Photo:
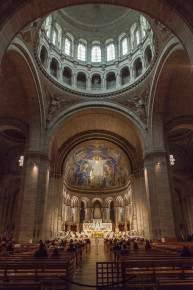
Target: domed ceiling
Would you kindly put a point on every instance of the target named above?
(96, 165)
(95, 15)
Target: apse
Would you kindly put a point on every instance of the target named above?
(96, 165)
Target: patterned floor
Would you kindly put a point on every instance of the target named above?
(86, 274)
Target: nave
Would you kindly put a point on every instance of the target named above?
(131, 264)
(86, 274)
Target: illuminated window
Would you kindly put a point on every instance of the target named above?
(110, 52)
(96, 54)
(21, 160)
(67, 46)
(172, 160)
(81, 52)
(124, 46)
(137, 36)
(54, 37)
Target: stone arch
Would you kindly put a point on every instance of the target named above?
(54, 68)
(125, 75)
(137, 67)
(96, 81)
(67, 76)
(119, 201)
(81, 80)
(29, 114)
(174, 61)
(44, 56)
(111, 80)
(148, 56)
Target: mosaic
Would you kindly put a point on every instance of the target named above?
(97, 165)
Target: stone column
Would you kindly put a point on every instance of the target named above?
(158, 196)
(116, 217)
(34, 195)
(108, 213)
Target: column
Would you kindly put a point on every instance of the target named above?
(33, 195)
(158, 196)
(116, 217)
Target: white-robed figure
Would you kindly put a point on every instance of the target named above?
(72, 235)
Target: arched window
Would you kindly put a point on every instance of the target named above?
(111, 80)
(47, 25)
(148, 56)
(81, 52)
(96, 54)
(44, 56)
(54, 37)
(110, 52)
(134, 36)
(81, 80)
(67, 76)
(57, 36)
(125, 75)
(137, 67)
(54, 67)
(144, 25)
(67, 46)
(96, 82)
(137, 37)
(124, 46)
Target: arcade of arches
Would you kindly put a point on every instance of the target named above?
(96, 156)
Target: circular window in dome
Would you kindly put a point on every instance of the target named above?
(77, 43)
(96, 165)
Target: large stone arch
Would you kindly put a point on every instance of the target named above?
(23, 93)
(96, 120)
(171, 93)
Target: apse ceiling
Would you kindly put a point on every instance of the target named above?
(96, 166)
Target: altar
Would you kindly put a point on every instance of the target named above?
(97, 227)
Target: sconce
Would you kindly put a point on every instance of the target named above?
(158, 163)
(34, 164)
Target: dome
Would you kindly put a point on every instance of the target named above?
(96, 166)
(95, 49)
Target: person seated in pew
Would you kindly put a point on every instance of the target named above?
(41, 252)
(55, 253)
(71, 248)
(135, 246)
(147, 245)
(10, 247)
(186, 252)
(117, 247)
(124, 249)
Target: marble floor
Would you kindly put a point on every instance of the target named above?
(86, 274)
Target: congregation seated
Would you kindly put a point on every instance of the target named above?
(10, 247)
(186, 252)
(147, 245)
(135, 245)
(41, 252)
(55, 253)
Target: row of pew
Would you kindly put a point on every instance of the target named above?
(24, 271)
(158, 268)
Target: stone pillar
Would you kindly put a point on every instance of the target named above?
(140, 205)
(158, 196)
(108, 213)
(116, 217)
(33, 195)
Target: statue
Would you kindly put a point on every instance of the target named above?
(138, 106)
(54, 103)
